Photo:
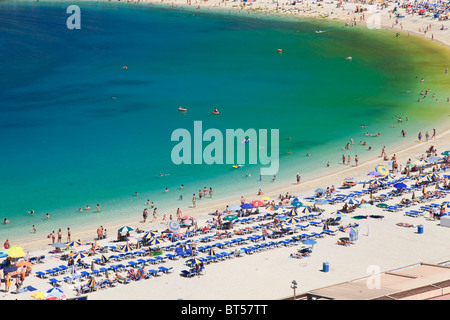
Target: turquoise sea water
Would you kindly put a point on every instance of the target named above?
(66, 142)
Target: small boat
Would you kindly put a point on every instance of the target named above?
(182, 109)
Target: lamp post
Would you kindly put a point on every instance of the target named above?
(294, 286)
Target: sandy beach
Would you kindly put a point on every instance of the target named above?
(269, 273)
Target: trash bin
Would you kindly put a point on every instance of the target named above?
(326, 267)
(420, 229)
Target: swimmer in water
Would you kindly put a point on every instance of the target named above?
(125, 67)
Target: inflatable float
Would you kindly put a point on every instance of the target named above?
(182, 109)
(238, 166)
(216, 112)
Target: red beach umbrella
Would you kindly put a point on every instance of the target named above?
(257, 203)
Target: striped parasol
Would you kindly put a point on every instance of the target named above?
(154, 241)
(126, 248)
(173, 226)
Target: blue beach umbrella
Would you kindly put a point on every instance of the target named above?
(321, 201)
(320, 190)
(173, 226)
(374, 173)
(400, 185)
(433, 159)
(74, 244)
(234, 208)
(247, 206)
(351, 201)
(309, 242)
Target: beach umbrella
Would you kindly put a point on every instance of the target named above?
(59, 245)
(125, 229)
(374, 173)
(91, 283)
(375, 182)
(272, 208)
(292, 212)
(382, 205)
(421, 163)
(292, 220)
(433, 159)
(104, 259)
(446, 153)
(257, 203)
(296, 204)
(16, 253)
(320, 190)
(15, 248)
(211, 252)
(193, 261)
(321, 201)
(55, 293)
(126, 248)
(400, 185)
(309, 242)
(234, 208)
(187, 218)
(9, 269)
(350, 229)
(265, 198)
(39, 295)
(24, 264)
(306, 210)
(230, 217)
(351, 201)
(74, 244)
(80, 255)
(151, 234)
(382, 170)
(154, 241)
(3, 255)
(173, 226)
(366, 205)
(247, 206)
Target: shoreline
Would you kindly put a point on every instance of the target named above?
(283, 186)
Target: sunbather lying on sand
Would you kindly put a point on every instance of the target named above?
(344, 242)
(405, 224)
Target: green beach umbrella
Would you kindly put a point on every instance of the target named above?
(382, 205)
(446, 153)
(366, 205)
(230, 217)
(125, 229)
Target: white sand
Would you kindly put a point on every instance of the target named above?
(268, 274)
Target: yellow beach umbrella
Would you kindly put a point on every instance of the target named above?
(16, 253)
(39, 295)
(382, 170)
(266, 198)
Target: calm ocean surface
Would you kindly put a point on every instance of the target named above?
(76, 128)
